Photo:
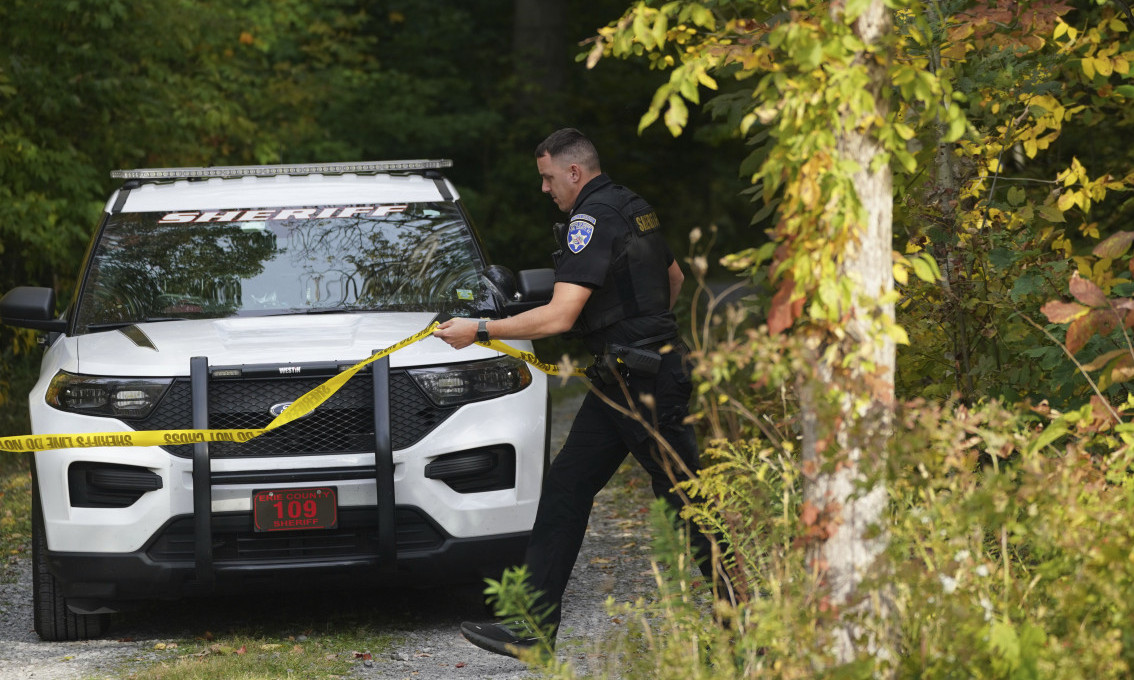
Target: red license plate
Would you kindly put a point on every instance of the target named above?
(292, 509)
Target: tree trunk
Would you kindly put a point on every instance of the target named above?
(539, 48)
(857, 430)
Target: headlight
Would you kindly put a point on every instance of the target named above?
(113, 397)
(464, 383)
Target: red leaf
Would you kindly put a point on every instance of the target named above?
(1115, 245)
(1103, 321)
(1100, 321)
(808, 513)
(1062, 312)
(1087, 292)
(1077, 334)
(783, 312)
(243, 649)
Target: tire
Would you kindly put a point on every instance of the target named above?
(470, 602)
(54, 622)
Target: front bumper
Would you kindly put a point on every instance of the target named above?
(164, 569)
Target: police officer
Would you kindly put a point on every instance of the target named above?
(616, 281)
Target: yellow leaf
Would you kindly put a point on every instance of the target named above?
(955, 51)
(1103, 66)
(1060, 30)
(901, 275)
(706, 80)
(595, 54)
(747, 122)
(1088, 66)
(1067, 200)
(899, 335)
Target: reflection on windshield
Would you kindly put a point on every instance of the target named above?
(418, 257)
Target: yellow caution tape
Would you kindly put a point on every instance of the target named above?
(550, 369)
(299, 408)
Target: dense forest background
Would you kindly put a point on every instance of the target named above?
(88, 87)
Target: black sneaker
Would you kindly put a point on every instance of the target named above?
(509, 638)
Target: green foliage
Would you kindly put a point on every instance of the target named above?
(987, 124)
(1011, 534)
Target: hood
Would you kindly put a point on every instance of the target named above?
(165, 348)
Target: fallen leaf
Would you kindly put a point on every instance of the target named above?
(243, 650)
(160, 645)
(459, 664)
(270, 646)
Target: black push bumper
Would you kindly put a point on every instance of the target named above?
(245, 562)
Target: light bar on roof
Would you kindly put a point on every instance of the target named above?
(271, 170)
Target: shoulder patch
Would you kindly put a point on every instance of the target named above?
(584, 216)
(647, 223)
(579, 232)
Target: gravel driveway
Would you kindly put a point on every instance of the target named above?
(421, 623)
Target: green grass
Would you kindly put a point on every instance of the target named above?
(242, 655)
(15, 510)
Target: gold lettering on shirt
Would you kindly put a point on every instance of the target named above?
(647, 222)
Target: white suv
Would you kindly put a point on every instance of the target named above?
(213, 298)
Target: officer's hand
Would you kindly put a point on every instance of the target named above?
(459, 333)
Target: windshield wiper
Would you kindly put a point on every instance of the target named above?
(331, 310)
(114, 325)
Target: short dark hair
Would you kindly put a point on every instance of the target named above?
(572, 145)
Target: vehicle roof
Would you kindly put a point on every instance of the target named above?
(282, 191)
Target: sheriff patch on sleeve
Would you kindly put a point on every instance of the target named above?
(579, 232)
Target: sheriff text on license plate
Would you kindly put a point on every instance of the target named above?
(290, 509)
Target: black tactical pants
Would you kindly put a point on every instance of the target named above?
(598, 442)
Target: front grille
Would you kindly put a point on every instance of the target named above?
(342, 424)
(357, 536)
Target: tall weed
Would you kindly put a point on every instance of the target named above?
(1010, 552)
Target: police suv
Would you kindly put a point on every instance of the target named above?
(212, 298)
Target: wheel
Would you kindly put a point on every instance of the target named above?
(469, 599)
(54, 622)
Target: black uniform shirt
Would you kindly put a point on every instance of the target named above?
(596, 232)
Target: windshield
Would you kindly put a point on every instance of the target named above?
(253, 262)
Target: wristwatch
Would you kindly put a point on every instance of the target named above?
(482, 330)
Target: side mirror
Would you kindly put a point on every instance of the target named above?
(536, 285)
(533, 288)
(28, 307)
(501, 282)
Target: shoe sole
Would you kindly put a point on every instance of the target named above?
(490, 645)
